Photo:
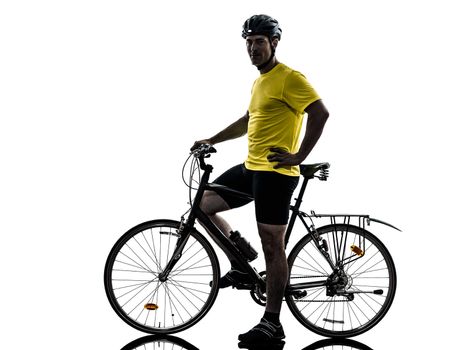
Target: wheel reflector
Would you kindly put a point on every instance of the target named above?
(151, 306)
(356, 250)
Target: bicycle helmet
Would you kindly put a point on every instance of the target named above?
(262, 25)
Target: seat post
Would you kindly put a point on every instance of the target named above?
(295, 211)
(301, 195)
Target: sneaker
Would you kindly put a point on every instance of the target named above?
(264, 332)
(234, 277)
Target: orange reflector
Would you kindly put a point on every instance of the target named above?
(356, 250)
(151, 306)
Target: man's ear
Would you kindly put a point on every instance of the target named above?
(274, 42)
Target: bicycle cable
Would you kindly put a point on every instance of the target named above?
(194, 168)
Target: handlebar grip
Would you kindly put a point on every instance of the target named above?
(209, 148)
(203, 149)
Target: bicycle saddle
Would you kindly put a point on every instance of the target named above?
(308, 170)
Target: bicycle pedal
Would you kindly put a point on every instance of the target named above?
(299, 294)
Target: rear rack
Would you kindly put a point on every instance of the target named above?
(359, 220)
(339, 243)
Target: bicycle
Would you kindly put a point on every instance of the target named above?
(162, 276)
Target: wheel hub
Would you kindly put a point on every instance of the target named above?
(338, 282)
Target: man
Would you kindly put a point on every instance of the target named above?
(280, 96)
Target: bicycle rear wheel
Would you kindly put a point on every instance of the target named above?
(357, 295)
(140, 298)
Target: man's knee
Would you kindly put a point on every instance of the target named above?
(272, 237)
(212, 203)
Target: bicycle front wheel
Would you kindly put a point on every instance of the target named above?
(133, 287)
(359, 289)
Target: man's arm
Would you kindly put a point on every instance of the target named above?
(317, 115)
(233, 131)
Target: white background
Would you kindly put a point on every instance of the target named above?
(100, 101)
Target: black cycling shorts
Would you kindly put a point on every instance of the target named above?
(271, 191)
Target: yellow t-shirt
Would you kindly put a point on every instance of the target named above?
(276, 110)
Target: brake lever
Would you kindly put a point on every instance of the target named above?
(211, 149)
(204, 149)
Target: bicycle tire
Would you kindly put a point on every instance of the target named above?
(336, 316)
(138, 296)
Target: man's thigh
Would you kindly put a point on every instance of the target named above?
(213, 203)
(272, 193)
(237, 178)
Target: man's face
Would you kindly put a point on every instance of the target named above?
(259, 48)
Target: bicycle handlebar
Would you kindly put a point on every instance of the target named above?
(203, 150)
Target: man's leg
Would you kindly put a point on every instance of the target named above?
(269, 328)
(211, 205)
(272, 192)
(272, 237)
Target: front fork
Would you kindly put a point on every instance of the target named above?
(180, 245)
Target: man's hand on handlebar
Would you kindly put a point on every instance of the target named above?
(202, 148)
(197, 144)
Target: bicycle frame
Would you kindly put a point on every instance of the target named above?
(227, 245)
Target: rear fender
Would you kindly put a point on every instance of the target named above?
(383, 223)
